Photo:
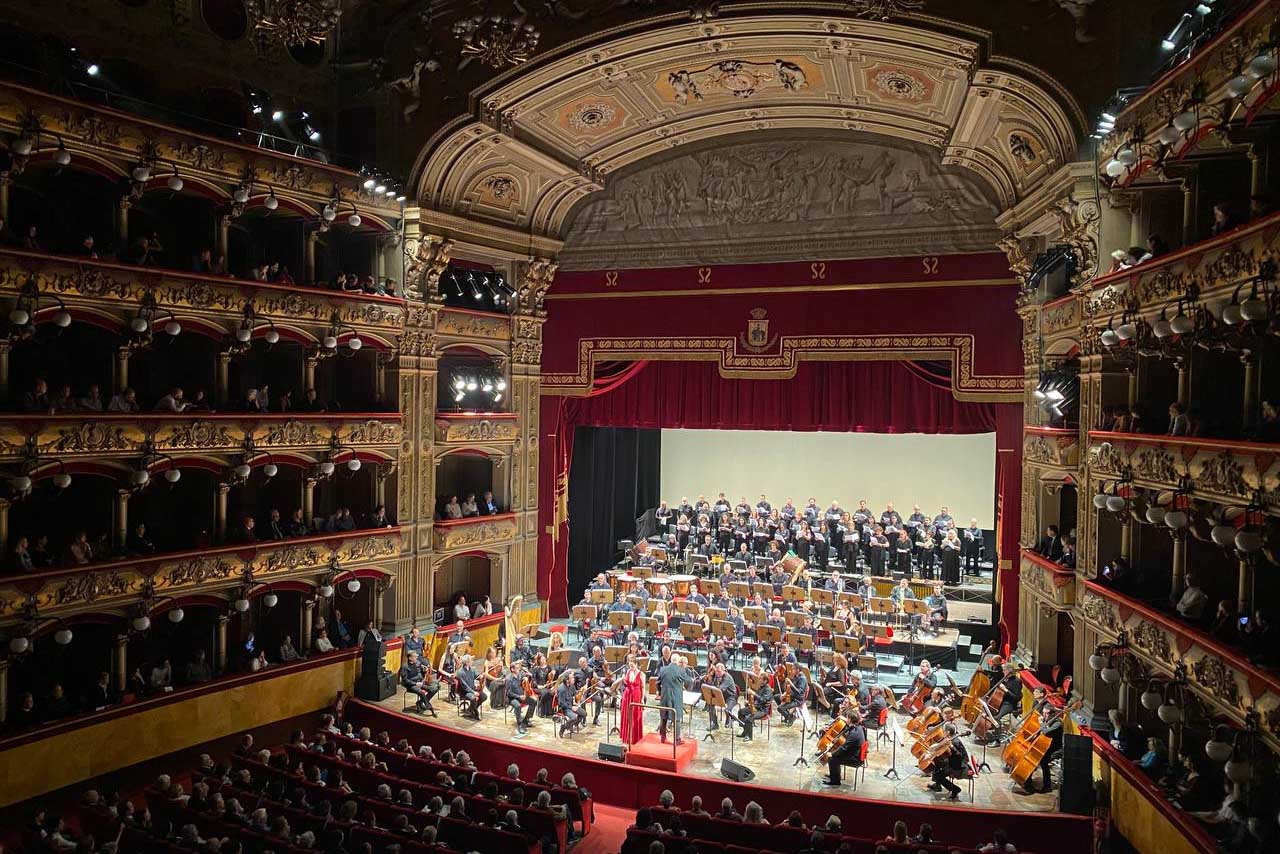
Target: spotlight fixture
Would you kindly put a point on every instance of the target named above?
(1171, 41)
(92, 69)
(276, 115)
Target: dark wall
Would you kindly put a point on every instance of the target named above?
(613, 479)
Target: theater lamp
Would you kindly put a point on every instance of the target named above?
(175, 182)
(1169, 135)
(325, 590)
(270, 600)
(19, 644)
(241, 604)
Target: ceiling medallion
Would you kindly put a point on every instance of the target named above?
(883, 10)
(592, 115)
(294, 22)
(897, 83)
(497, 40)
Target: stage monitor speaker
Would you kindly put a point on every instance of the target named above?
(736, 772)
(610, 752)
(1077, 775)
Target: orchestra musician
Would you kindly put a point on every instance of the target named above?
(521, 695)
(794, 691)
(857, 693)
(901, 593)
(759, 704)
(570, 710)
(937, 602)
(587, 671)
(855, 735)
(420, 680)
(471, 692)
(720, 678)
(1051, 726)
(835, 684)
(543, 676)
(1011, 703)
(954, 764)
(460, 634)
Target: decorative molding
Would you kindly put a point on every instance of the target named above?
(470, 429)
(474, 533)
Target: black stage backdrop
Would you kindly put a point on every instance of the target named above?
(613, 479)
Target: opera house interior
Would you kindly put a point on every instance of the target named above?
(487, 425)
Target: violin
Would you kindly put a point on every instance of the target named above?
(526, 685)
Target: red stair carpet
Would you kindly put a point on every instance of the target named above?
(650, 752)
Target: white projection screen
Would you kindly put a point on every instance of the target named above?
(909, 468)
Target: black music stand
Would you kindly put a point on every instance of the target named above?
(713, 698)
(892, 773)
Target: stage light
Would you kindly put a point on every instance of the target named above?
(369, 183)
(1175, 35)
(92, 70)
(276, 115)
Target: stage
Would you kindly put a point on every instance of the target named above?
(771, 755)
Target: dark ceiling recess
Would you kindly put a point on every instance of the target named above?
(226, 18)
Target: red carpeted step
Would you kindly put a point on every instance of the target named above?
(650, 752)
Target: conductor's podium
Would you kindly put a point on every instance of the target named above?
(650, 752)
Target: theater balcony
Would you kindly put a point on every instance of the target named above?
(468, 428)
(474, 533)
(1216, 470)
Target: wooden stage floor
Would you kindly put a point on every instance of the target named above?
(772, 759)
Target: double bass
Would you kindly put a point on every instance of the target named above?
(1034, 748)
(971, 705)
(984, 722)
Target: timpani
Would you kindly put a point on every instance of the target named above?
(682, 585)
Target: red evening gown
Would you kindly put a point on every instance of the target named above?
(632, 717)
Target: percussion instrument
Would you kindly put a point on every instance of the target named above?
(614, 575)
(793, 566)
(627, 584)
(657, 583)
(682, 585)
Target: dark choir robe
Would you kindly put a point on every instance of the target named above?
(879, 547)
(950, 561)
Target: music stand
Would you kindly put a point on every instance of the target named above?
(763, 589)
(792, 593)
(872, 632)
(692, 633)
(754, 614)
(600, 597)
(740, 590)
(830, 625)
(684, 606)
(530, 631)
(912, 608)
(713, 698)
(768, 635)
(763, 562)
(895, 734)
(698, 562)
(614, 654)
(622, 620)
(853, 601)
(800, 642)
(716, 613)
(637, 603)
(560, 657)
(723, 629)
(642, 572)
(847, 645)
(821, 596)
(883, 606)
(867, 662)
(586, 614)
(648, 625)
(794, 619)
(709, 587)
(738, 567)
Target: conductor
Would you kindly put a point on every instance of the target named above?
(673, 680)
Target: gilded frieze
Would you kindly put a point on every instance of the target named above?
(481, 532)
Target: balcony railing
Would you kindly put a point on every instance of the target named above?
(176, 574)
(84, 281)
(1222, 674)
(1052, 581)
(467, 324)
(108, 434)
(470, 427)
(1051, 446)
(1210, 267)
(475, 532)
(1221, 470)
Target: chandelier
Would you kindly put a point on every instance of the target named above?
(497, 40)
(294, 22)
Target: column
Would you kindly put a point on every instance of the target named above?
(122, 369)
(1133, 384)
(220, 645)
(122, 662)
(1184, 381)
(1175, 741)
(4, 531)
(1255, 173)
(1179, 565)
(379, 587)
(308, 618)
(122, 222)
(1244, 588)
(1251, 391)
(4, 690)
(122, 518)
(380, 486)
(223, 239)
(309, 251)
(1126, 540)
(4, 371)
(308, 499)
(309, 372)
(380, 378)
(224, 378)
(1188, 211)
(5, 180)
(220, 523)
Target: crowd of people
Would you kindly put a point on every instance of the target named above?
(65, 401)
(1187, 422)
(470, 506)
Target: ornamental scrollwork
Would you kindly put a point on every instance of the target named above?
(369, 548)
(90, 436)
(90, 587)
(372, 433)
(199, 570)
(1105, 458)
(291, 557)
(1098, 610)
(1154, 640)
(292, 432)
(1033, 577)
(1216, 677)
(200, 434)
(1158, 464)
(1223, 475)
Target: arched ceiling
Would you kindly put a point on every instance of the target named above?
(551, 135)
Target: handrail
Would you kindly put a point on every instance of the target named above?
(1059, 432)
(1197, 442)
(1191, 829)
(484, 415)
(471, 520)
(1235, 657)
(202, 277)
(675, 740)
(1046, 564)
(38, 579)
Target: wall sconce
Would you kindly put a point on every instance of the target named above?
(23, 316)
(329, 344)
(32, 139)
(22, 483)
(1112, 662)
(150, 316)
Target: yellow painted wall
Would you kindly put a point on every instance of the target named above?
(86, 752)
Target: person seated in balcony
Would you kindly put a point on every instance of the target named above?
(1126, 737)
(7, 237)
(138, 542)
(483, 608)
(1068, 556)
(461, 612)
(31, 240)
(1154, 762)
(351, 283)
(246, 532)
(469, 506)
(26, 714)
(198, 669)
(37, 400)
(1269, 423)
(161, 675)
(1190, 606)
(1179, 423)
(102, 694)
(1119, 575)
(198, 402)
(250, 403)
(258, 272)
(1226, 623)
(274, 529)
(343, 520)
(203, 262)
(58, 706)
(311, 402)
(1223, 221)
(63, 402)
(287, 651)
(91, 400)
(140, 253)
(379, 518)
(124, 401)
(284, 277)
(284, 401)
(342, 630)
(22, 560)
(86, 248)
(297, 524)
(322, 643)
(1257, 636)
(79, 550)
(1156, 246)
(41, 554)
(1119, 260)
(488, 506)
(172, 401)
(1050, 544)
(452, 509)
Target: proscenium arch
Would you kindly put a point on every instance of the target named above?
(550, 135)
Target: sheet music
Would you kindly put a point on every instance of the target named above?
(692, 698)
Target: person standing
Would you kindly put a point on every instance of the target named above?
(673, 681)
(632, 716)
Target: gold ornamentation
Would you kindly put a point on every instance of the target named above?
(1098, 609)
(91, 436)
(1218, 678)
(1156, 463)
(1038, 449)
(90, 587)
(1155, 640)
(882, 10)
(199, 434)
(476, 430)
(198, 570)
(292, 432)
(373, 433)
(1223, 475)
(539, 273)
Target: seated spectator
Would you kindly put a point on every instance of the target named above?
(794, 819)
(452, 509)
(297, 524)
(284, 277)
(900, 835)
(379, 519)
(26, 714)
(58, 706)
(79, 550)
(469, 506)
(91, 401)
(125, 401)
(198, 669)
(251, 401)
(1156, 759)
(1225, 626)
(31, 241)
(287, 652)
(1119, 260)
(1256, 634)
(63, 402)
(1191, 604)
(102, 694)
(199, 402)
(727, 812)
(483, 608)
(22, 560)
(274, 529)
(246, 532)
(1156, 246)
(461, 612)
(311, 402)
(161, 675)
(1269, 424)
(284, 401)
(695, 806)
(925, 836)
(1179, 423)
(1068, 557)
(488, 506)
(999, 844)
(343, 520)
(666, 799)
(138, 542)
(41, 554)
(1126, 737)
(1259, 206)
(203, 262)
(172, 401)
(37, 400)
(1222, 220)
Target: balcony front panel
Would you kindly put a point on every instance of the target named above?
(1059, 319)
(476, 532)
(97, 435)
(120, 288)
(1222, 675)
(1051, 447)
(112, 584)
(1219, 470)
(459, 323)
(465, 428)
(1052, 583)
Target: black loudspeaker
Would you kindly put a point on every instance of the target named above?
(1077, 775)
(736, 772)
(374, 683)
(610, 752)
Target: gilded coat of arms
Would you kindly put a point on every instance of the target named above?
(756, 339)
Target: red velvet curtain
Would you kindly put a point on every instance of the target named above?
(872, 397)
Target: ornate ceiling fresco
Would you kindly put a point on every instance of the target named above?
(788, 198)
(553, 134)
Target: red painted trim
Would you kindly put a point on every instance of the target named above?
(81, 161)
(248, 285)
(1188, 636)
(84, 468)
(286, 204)
(34, 581)
(195, 600)
(191, 186)
(456, 416)
(365, 573)
(89, 619)
(1186, 252)
(472, 520)
(1190, 829)
(1061, 575)
(1052, 432)
(198, 463)
(1190, 64)
(176, 696)
(287, 586)
(1195, 443)
(246, 418)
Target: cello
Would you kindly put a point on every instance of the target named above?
(832, 739)
(984, 716)
(913, 701)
